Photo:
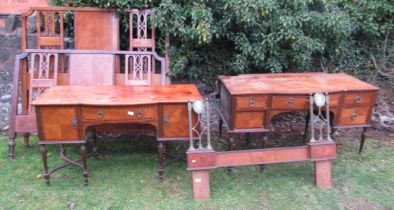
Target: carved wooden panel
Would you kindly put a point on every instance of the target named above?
(50, 31)
(43, 74)
(141, 36)
(138, 70)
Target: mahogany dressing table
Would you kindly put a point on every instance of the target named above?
(248, 102)
(69, 114)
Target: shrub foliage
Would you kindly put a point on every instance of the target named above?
(214, 37)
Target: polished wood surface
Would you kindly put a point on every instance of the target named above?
(64, 113)
(293, 83)
(248, 102)
(117, 95)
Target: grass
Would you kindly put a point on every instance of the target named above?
(126, 178)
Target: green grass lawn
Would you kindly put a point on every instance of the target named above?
(126, 178)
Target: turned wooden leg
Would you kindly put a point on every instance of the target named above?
(220, 126)
(62, 150)
(263, 142)
(94, 141)
(201, 189)
(84, 164)
(26, 139)
(11, 145)
(161, 149)
(45, 162)
(306, 128)
(362, 140)
(229, 148)
(323, 173)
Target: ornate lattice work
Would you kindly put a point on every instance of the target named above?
(43, 74)
(138, 70)
(52, 23)
(142, 38)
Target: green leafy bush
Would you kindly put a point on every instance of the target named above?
(213, 37)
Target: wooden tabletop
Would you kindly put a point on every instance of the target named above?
(117, 95)
(293, 83)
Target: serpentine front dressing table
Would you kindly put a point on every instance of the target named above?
(248, 102)
(66, 114)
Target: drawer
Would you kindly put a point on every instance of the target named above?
(334, 99)
(358, 98)
(290, 102)
(58, 123)
(244, 120)
(354, 116)
(120, 113)
(251, 102)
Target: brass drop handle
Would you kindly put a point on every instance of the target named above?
(290, 101)
(354, 116)
(74, 122)
(166, 121)
(100, 115)
(252, 101)
(357, 99)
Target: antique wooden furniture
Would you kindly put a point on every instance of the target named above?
(248, 102)
(84, 67)
(66, 113)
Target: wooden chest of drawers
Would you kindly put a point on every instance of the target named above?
(248, 102)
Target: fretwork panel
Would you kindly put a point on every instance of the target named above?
(138, 70)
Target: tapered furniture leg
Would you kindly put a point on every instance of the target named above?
(201, 189)
(84, 164)
(11, 145)
(306, 128)
(94, 141)
(220, 126)
(362, 140)
(161, 149)
(247, 139)
(263, 142)
(26, 139)
(229, 148)
(323, 173)
(45, 162)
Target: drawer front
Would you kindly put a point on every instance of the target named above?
(175, 120)
(245, 120)
(251, 102)
(358, 99)
(290, 102)
(121, 113)
(334, 99)
(58, 123)
(354, 116)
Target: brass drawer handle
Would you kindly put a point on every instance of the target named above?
(74, 122)
(252, 101)
(354, 116)
(357, 99)
(290, 101)
(100, 115)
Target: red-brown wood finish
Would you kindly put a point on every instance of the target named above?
(162, 106)
(201, 161)
(250, 101)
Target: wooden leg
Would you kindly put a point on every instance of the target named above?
(307, 118)
(247, 139)
(62, 150)
(95, 148)
(45, 162)
(362, 140)
(84, 164)
(201, 189)
(161, 150)
(220, 126)
(229, 148)
(26, 139)
(263, 142)
(11, 145)
(323, 173)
